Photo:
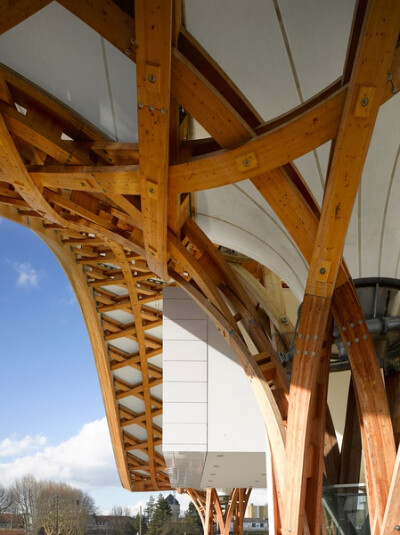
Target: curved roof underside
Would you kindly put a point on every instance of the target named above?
(279, 54)
(279, 57)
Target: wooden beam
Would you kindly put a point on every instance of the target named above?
(116, 179)
(363, 99)
(125, 266)
(212, 111)
(391, 521)
(13, 12)
(266, 152)
(107, 19)
(208, 67)
(153, 55)
(15, 172)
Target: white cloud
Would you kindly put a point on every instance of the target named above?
(258, 497)
(27, 275)
(12, 447)
(85, 461)
(69, 297)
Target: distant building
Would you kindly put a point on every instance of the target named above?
(175, 506)
(11, 524)
(257, 511)
(108, 525)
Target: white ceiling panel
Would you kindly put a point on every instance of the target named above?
(245, 39)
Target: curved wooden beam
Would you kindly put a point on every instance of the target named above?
(266, 152)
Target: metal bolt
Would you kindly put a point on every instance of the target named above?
(397, 527)
(151, 78)
(389, 76)
(246, 162)
(360, 322)
(349, 343)
(357, 340)
(141, 105)
(322, 271)
(364, 102)
(306, 352)
(127, 52)
(284, 320)
(365, 336)
(151, 190)
(298, 351)
(352, 325)
(299, 335)
(133, 41)
(316, 337)
(313, 354)
(163, 110)
(344, 328)
(151, 108)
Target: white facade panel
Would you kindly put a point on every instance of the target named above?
(184, 350)
(210, 415)
(185, 329)
(231, 402)
(180, 392)
(184, 370)
(184, 413)
(185, 433)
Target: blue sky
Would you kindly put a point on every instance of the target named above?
(52, 418)
(51, 411)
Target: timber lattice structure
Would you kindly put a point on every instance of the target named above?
(118, 216)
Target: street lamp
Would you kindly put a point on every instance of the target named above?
(56, 503)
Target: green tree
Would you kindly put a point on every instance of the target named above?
(192, 521)
(161, 517)
(137, 522)
(150, 508)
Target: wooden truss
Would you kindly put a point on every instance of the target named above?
(117, 217)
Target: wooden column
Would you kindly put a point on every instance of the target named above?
(153, 22)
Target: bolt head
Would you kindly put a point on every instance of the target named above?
(364, 102)
(151, 108)
(141, 105)
(151, 78)
(127, 52)
(246, 162)
(322, 271)
(151, 190)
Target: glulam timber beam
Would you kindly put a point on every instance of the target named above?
(364, 96)
(153, 67)
(12, 12)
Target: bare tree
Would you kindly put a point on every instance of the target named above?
(65, 510)
(25, 492)
(6, 499)
(52, 508)
(121, 521)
